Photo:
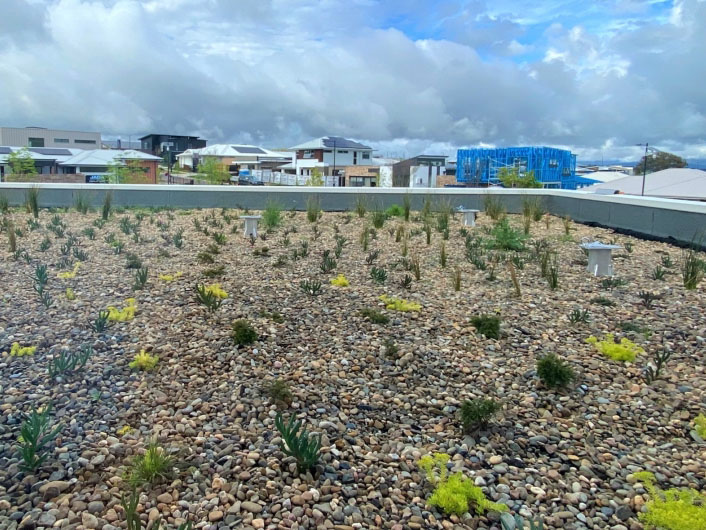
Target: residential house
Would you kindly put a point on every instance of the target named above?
(330, 155)
(41, 137)
(423, 171)
(169, 146)
(46, 161)
(94, 166)
(237, 158)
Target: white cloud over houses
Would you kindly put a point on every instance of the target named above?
(405, 76)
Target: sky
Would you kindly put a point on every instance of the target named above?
(404, 76)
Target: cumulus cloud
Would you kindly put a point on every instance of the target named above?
(406, 77)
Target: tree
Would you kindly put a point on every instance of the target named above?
(659, 161)
(510, 178)
(316, 178)
(127, 172)
(212, 171)
(21, 164)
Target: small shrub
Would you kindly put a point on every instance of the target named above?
(391, 349)
(372, 256)
(375, 316)
(487, 325)
(204, 258)
(566, 221)
(243, 333)
(143, 361)
(625, 350)
(301, 445)
(394, 211)
(132, 261)
(506, 238)
(36, 434)
(477, 413)
(611, 283)
(553, 372)
(279, 392)
(272, 215)
(601, 300)
(155, 465)
(214, 272)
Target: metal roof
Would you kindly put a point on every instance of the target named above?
(330, 141)
(50, 151)
(103, 157)
(674, 183)
(225, 150)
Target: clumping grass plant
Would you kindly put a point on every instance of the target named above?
(298, 443)
(36, 434)
(153, 466)
(477, 413)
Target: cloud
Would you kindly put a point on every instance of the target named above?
(407, 76)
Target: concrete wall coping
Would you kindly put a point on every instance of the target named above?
(633, 200)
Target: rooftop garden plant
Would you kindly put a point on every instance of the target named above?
(672, 509)
(454, 494)
(625, 350)
(340, 281)
(487, 325)
(477, 413)
(399, 304)
(144, 361)
(125, 314)
(20, 351)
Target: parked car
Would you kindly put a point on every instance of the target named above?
(247, 180)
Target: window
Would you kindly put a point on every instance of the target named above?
(77, 141)
(36, 142)
(554, 163)
(93, 169)
(366, 156)
(342, 152)
(61, 140)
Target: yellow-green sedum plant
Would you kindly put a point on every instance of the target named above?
(125, 314)
(399, 304)
(672, 509)
(700, 425)
(144, 361)
(340, 281)
(625, 350)
(454, 494)
(20, 351)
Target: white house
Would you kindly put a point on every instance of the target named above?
(236, 157)
(331, 154)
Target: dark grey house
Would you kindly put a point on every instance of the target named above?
(169, 145)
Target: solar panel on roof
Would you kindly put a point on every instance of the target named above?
(50, 151)
(5, 150)
(248, 150)
(342, 143)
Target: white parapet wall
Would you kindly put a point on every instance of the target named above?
(677, 220)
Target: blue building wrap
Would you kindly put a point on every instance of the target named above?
(554, 168)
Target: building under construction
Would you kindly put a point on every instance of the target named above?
(480, 167)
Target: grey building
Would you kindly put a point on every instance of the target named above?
(41, 137)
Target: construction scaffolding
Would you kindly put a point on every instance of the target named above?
(479, 167)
